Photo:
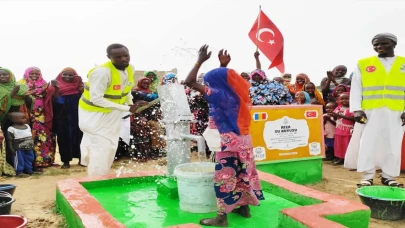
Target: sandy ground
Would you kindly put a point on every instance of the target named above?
(40, 209)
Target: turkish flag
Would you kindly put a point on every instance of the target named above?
(311, 114)
(269, 40)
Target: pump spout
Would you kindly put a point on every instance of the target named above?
(200, 141)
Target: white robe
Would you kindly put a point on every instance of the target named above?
(352, 152)
(380, 140)
(125, 131)
(101, 131)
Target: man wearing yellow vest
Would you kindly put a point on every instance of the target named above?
(107, 94)
(377, 98)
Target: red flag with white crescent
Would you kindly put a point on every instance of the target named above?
(269, 40)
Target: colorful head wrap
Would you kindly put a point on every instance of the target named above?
(69, 88)
(6, 88)
(259, 72)
(31, 83)
(139, 86)
(168, 77)
(317, 94)
(307, 98)
(347, 89)
(229, 100)
(154, 83)
(294, 88)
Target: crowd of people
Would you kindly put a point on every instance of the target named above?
(49, 110)
(84, 120)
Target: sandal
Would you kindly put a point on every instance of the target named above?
(365, 183)
(65, 166)
(339, 162)
(390, 182)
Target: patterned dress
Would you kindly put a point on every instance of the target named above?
(44, 139)
(343, 132)
(269, 93)
(236, 179)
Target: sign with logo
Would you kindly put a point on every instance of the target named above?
(260, 153)
(287, 132)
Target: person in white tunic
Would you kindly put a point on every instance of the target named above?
(377, 98)
(101, 121)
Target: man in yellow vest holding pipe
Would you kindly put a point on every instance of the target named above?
(107, 94)
(377, 98)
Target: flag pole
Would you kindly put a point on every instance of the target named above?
(258, 28)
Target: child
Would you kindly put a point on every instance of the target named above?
(301, 98)
(329, 126)
(344, 126)
(334, 96)
(21, 144)
(236, 177)
(314, 94)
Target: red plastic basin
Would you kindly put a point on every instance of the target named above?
(12, 221)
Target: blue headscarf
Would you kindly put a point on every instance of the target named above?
(229, 101)
(168, 77)
(307, 98)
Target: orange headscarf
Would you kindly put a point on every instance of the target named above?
(317, 94)
(294, 88)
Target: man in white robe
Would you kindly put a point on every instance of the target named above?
(101, 131)
(381, 139)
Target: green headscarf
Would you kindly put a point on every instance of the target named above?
(6, 88)
(154, 83)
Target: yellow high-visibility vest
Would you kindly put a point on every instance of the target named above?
(113, 92)
(381, 88)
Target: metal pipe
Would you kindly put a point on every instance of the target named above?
(200, 141)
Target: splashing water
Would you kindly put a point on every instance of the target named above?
(183, 58)
(180, 57)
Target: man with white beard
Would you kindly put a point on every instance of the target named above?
(377, 99)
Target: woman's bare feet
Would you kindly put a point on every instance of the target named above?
(244, 211)
(220, 221)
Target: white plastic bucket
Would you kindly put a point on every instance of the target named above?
(195, 182)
